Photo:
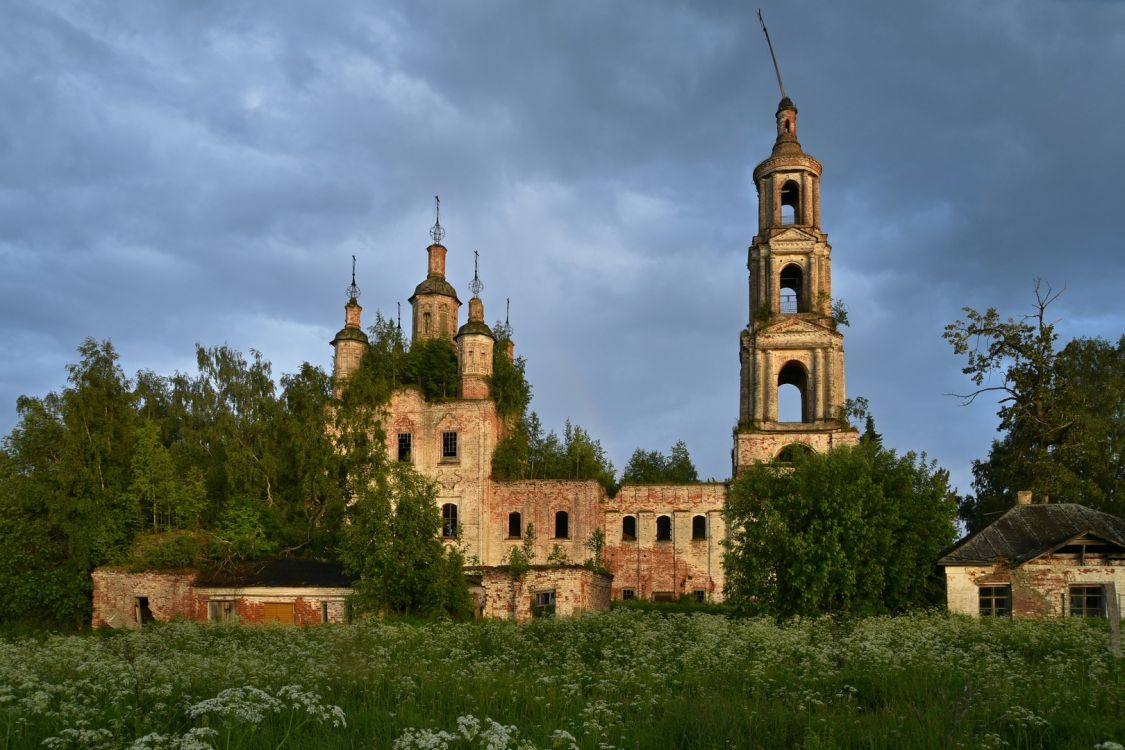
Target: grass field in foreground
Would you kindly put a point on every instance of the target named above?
(623, 680)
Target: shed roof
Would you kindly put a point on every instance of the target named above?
(1028, 531)
(278, 573)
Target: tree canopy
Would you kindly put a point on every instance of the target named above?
(1061, 411)
(854, 530)
(654, 467)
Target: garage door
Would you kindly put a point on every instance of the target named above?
(278, 612)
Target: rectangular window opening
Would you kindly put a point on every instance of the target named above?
(544, 604)
(222, 611)
(628, 594)
(1087, 601)
(663, 596)
(700, 595)
(448, 445)
(996, 601)
(324, 611)
(405, 446)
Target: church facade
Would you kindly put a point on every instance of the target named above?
(662, 542)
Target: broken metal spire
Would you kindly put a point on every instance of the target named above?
(776, 69)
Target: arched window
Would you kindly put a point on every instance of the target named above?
(663, 528)
(515, 525)
(790, 283)
(790, 203)
(562, 525)
(427, 322)
(792, 390)
(444, 324)
(449, 520)
(791, 451)
(629, 529)
(698, 528)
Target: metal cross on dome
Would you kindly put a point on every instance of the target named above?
(436, 231)
(353, 290)
(476, 286)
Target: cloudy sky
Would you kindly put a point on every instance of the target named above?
(173, 173)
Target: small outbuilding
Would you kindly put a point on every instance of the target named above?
(291, 592)
(1040, 560)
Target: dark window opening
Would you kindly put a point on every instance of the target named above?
(449, 520)
(142, 611)
(629, 529)
(426, 322)
(789, 453)
(791, 283)
(1087, 601)
(448, 445)
(515, 525)
(698, 528)
(324, 611)
(405, 443)
(664, 529)
(664, 596)
(792, 403)
(700, 595)
(222, 611)
(562, 525)
(544, 604)
(995, 601)
(790, 202)
(628, 594)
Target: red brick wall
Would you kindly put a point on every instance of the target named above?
(682, 565)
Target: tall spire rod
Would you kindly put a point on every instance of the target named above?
(508, 312)
(399, 315)
(436, 230)
(776, 69)
(476, 286)
(352, 290)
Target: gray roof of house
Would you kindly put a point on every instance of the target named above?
(1028, 531)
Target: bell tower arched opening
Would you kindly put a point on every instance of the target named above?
(792, 289)
(790, 202)
(792, 393)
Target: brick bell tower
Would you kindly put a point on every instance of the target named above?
(434, 304)
(792, 339)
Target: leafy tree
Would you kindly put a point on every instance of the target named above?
(391, 541)
(508, 385)
(163, 498)
(1062, 412)
(653, 467)
(854, 530)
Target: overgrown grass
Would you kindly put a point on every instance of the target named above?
(628, 679)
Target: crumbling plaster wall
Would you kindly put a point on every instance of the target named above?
(1039, 587)
(681, 565)
(537, 502)
(576, 588)
(116, 590)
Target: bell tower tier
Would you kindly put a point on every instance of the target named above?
(792, 338)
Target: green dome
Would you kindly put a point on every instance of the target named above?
(350, 334)
(434, 285)
(478, 327)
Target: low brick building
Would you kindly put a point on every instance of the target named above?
(543, 591)
(295, 592)
(1040, 560)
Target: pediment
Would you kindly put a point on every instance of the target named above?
(793, 235)
(795, 325)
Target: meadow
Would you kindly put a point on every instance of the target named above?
(627, 679)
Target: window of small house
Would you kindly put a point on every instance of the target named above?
(405, 443)
(1087, 601)
(995, 601)
(663, 528)
(698, 528)
(562, 525)
(448, 445)
(629, 529)
(222, 611)
(628, 594)
(700, 595)
(515, 525)
(449, 520)
(543, 604)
